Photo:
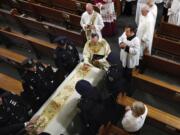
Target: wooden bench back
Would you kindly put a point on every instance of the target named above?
(10, 84)
(10, 3)
(76, 37)
(41, 45)
(169, 30)
(73, 6)
(157, 87)
(162, 65)
(50, 14)
(12, 57)
(166, 45)
(46, 28)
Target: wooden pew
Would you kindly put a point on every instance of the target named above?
(22, 22)
(37, 44)
(72, 6)
(157, 87)
(13, 58)
(162, 65)
(110, 129)
(50, 14)
(10, 84)
(76, 37)
(27, 24)
(9, 3)
(167, 46)
(169, 31)
(163, 120)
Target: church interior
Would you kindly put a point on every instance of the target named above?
(47, 87)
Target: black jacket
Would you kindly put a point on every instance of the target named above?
(67, 58)
(12, 129)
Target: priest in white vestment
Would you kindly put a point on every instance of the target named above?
(140, 3)
(145, 31)
(91, 22)
(174, 13)
(152, 7)
(96, 51)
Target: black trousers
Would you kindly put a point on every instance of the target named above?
(128, 8)
(165, 12)
(159, 13)
(127, 74)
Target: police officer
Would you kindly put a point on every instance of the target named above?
(47, 75)
(4, 118)
(39, 82)
(18, 128)
(14, 109)
(66, 56)
(32, 85)
(54, 77)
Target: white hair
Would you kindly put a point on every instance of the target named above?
(145, 8)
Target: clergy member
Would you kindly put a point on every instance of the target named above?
(107, 11)
(145, 30)
(129, 54)
(96, 51)
(91, 22)
(140, 3)
(174, 13)
(152, 8)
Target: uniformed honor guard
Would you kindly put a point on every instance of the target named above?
(35, 92)
(96, 51)
(15, 109)
(52, 78)
(66, 56)
(4, 117)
